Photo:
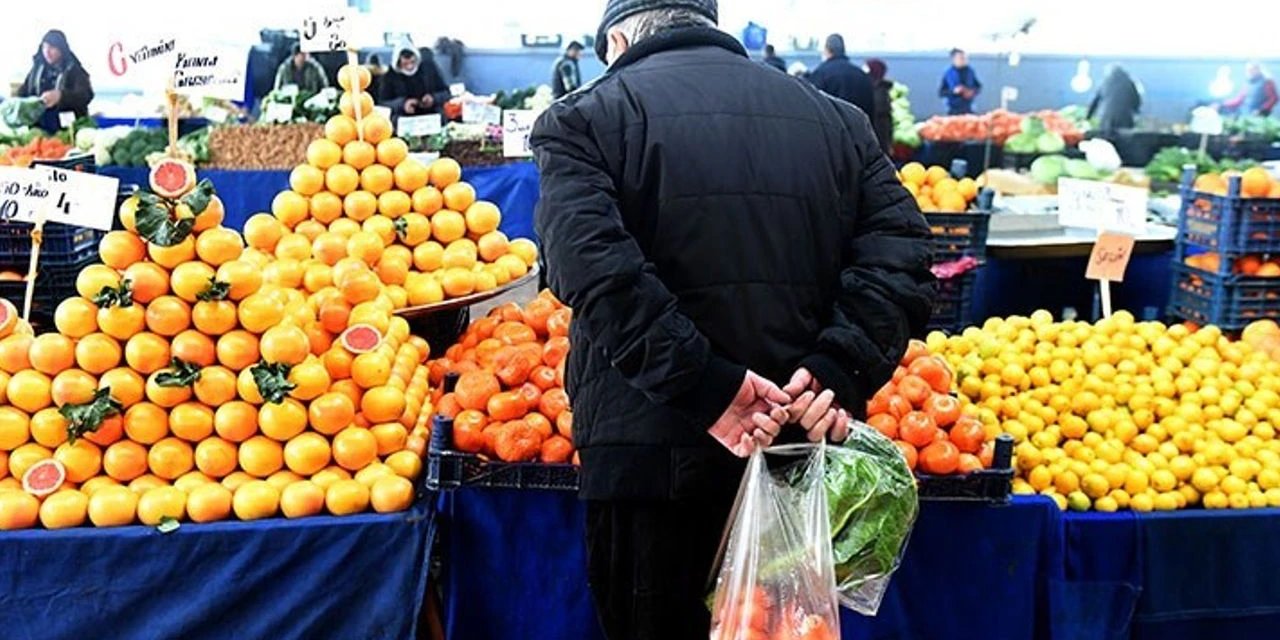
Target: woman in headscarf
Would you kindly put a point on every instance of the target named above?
(882, 117)
(414, 85)
(58, 79)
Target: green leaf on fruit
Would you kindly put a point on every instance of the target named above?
(87, 417)
(121, 296)
(216, 291)
(168, 525)
(179, 374)
(198, 199)
(157, 224)
(273, 381)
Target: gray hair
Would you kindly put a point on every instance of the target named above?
(637, 27)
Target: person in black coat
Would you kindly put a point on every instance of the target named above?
(414, 85)
(882, 117)
(840, 78)
(58, 79)
(1117, 102)
(771, 58)
(719, 229)
(566, 77)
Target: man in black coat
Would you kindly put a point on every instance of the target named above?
(719, 229)
(414, 85)
(566, 77)
(840, 78)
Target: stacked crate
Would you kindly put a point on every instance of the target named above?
(956, 235)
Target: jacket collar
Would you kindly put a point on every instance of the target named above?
(679, 39)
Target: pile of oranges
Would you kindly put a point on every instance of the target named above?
(509, 402)
(369, 216)
(935, 190)
(1255, 182)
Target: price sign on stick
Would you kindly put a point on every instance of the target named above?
(57, 195)
(517, 124)
(328, 32)
(1107, 263)
(1102, 205)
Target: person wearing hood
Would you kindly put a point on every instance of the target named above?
(414, 85)
(1117, 102)
(882, 118)
(302, 71)
(58, 79)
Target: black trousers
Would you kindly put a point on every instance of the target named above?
(650, 563)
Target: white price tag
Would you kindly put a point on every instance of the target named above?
(428, 125)
(457, 89)
(326, 32)
(214, 113)
(475, 112)
(278, 112)
(288, 91)
(68, 197)
(1101, 205)
(214, 71)
(517, 124)
(1206, 121)
(66, 119)
(425, 157)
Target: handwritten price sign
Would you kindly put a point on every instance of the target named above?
(68, 197)
(517, 124)
(1102, 205)
(1110, 257)
(330, 32)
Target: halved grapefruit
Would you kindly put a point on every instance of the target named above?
(44, 477)
(8, 317)
(171, 178)
(361, 338)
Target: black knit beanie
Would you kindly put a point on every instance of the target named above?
(616, 10)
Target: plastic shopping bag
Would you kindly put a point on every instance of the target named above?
(776, 579)
(813, 525)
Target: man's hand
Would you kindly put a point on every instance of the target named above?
(411, 106)
(428, 101)
(747, 423)
(51, 98)
(813, 408)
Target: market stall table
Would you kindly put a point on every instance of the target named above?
(358, 576)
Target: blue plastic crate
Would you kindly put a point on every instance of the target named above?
(951, 309)
(1228, 224)
(62, 244)
(1230, 301)
(54, 284)
(956, 235)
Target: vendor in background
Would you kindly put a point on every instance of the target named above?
(414, 86)
(376, 71)
(882, 119)
(960, 85)
(1117, 102)
(565, 75)
(302, 71)
(838, 77)
(58, 79)
(771, 59)
(1259, 96)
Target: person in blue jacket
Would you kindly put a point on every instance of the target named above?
(960, 85)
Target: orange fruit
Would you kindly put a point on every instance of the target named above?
(306, 179)
(165, 396)
(168, 316)
(193, 347)
(259, 312)
(236, 421)
(254, 500)
(146, 353)
(113, 506)
(97, 353)
(72, 386)
(236, 480)
(951, 202)
(325, 207)
(360, 205)
(170, 257)
(282, 421)
(359, 286)
(323, 153)
(366, 246)
(331, 412)
(913, 173)
(307, 453)
(427, 200)
(211, 216)
(392, 151)
(218, 246)
(341, 179)
(391, 494)
(447, 226)
(214, 317)
(525, 249)
(330, 475)
(125, 460)
(301, 499)
(458, 282)
(458, 196)
(18, 510)
(94, 278)
(191, 421)
(262, 231)
(146, 423)
(216, 457)
(515, 267)
(1255, 182)
(293, 246)
(14, 351)
(391, 437)
(209, 503)
(370, 369)
(76, 317)
(285, 344)
(405, 464)
(64, 509)
(310, 379)
(411, 175)
(29, 390)
(359, 154)
(444, 172)
(148, 281)
(82, 460)
(394, 203)
(354, 448)
(243, 277)
(159, 503)
(48, 428)
(346, 497)
(460, 253)
(936, 174)
(170, 458)
(261, 456)
(26, 456)
(413, 229)
(376, 179)
(383, 227)
(492, 245)
(382, 404)
(52, 353)
(340, 129)
(361, 103)
(376, 129)
(237, 350)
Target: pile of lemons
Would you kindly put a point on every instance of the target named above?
(1120, 414)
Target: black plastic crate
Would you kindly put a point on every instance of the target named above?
(1228, 224)
(989, 485)
(1230, 301)
(956, 235)
(61, 244)
(84, 163)
(952, 307)
(451, 470)
(54, 283)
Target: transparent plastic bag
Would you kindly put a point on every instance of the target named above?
(814, 526)
(776, 579)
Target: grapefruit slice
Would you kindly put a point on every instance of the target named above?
(361, 338)
(8, 317)
(44, 477)
(172, 178)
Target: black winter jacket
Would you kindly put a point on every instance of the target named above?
(840, 78)
(703, 214)
(396, 86)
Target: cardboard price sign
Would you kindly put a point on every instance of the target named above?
(216, 72)
(57, 195)
(1102, 205)
(517, 124)
(475, 112)
(329, 32)
(1110, 257)
(418, 126)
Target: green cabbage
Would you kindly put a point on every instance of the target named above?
(1047, 169)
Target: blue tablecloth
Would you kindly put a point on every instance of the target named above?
(324, 577)
(515, 567)
(513, 187)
